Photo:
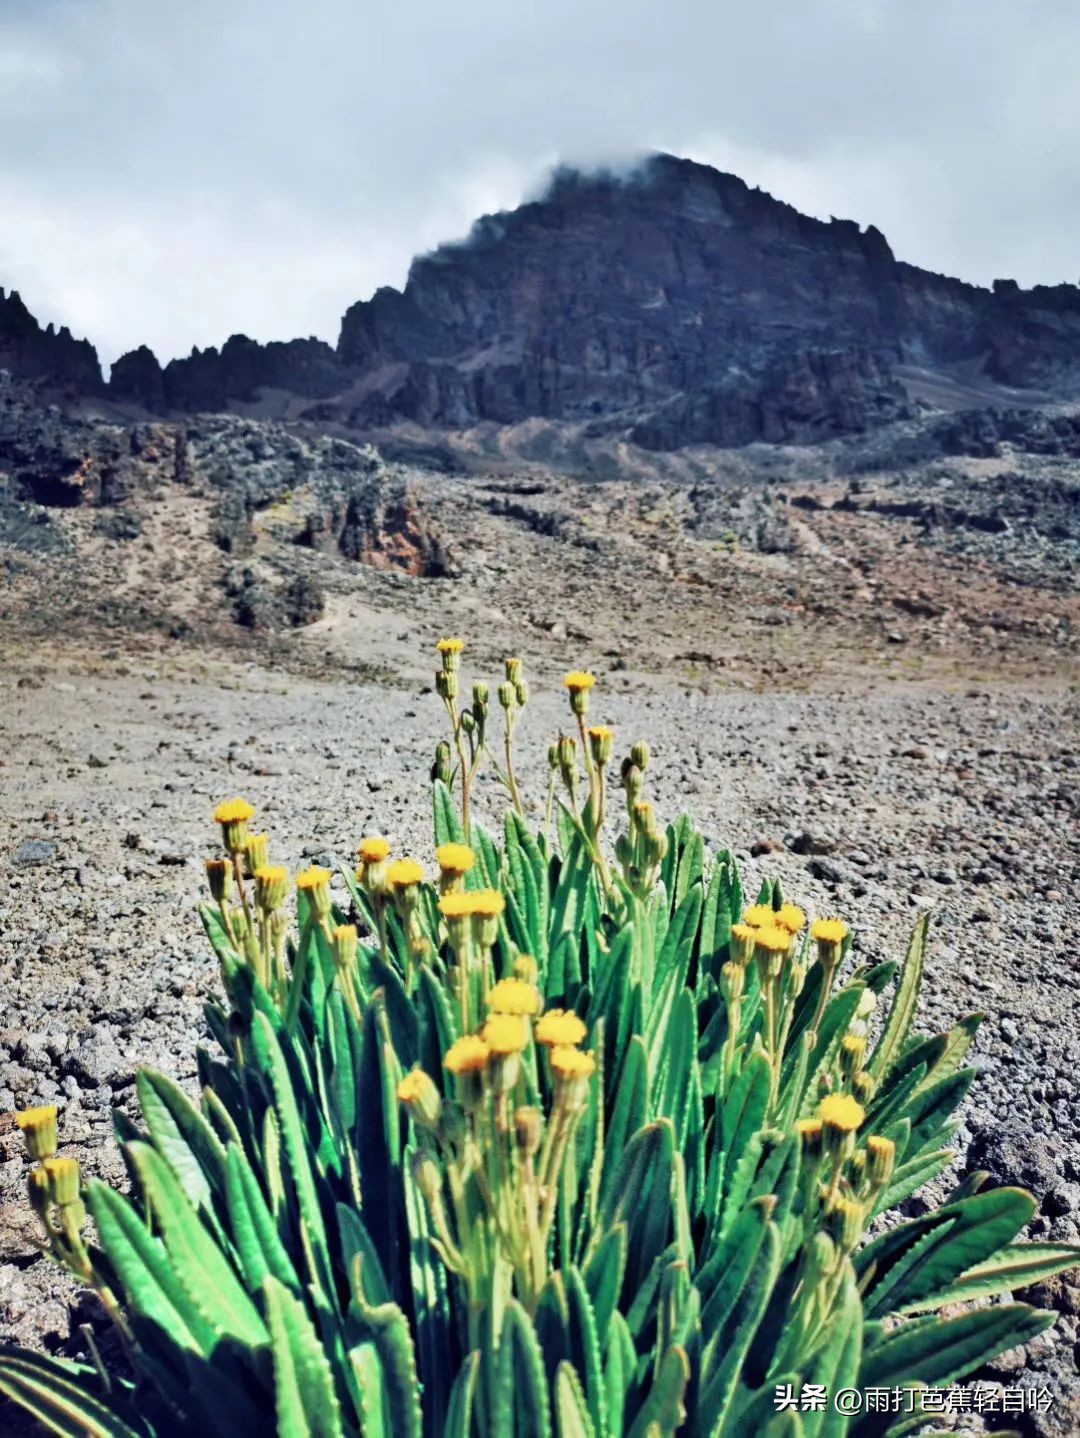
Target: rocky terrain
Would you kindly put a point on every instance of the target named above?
(811, 515)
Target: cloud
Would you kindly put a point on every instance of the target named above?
(186, 171)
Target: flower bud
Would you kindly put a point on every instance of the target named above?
(852, 1054)
(521, 693)
(446, 684)
(63, 1175)
(480, 693)
(220, 879)
(256, 853)
(845, 1220)
(654, 848)
(526, 968)
(601, 743)
(428, 1176)
(862, 1087)
(453, 1125)
(39, 1192)
(507, 697)
(553, 757)
(880, 1160)
(732, 982)
(444, 764)
(528, 1130)
(645, 816)
(820, 1258)
(811, 1133)
(343, 943)
(640, 755)
(468, 722)
(271, 887)
(796, 979)
(313, 887)
(419, 1095)
(514, 670)
(38, 1128)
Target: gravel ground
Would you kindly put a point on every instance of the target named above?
(874, 805)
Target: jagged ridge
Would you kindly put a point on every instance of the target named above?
(674, 305)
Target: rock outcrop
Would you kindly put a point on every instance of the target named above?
(672, 305)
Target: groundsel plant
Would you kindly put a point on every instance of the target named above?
(561, 1138)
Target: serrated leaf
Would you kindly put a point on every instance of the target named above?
(942, 1351)
(905, 1000)
(60, 1397)
(306, 1404)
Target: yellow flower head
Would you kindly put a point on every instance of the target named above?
(312, 879)
(233, 811)
(374, 849)
(571, 1063)
(455, 859)
(760, 916)
(403, 873)
(513, 996)
(841, 1111)
(601, 731)
(456, 906)
(505, 1034)
(487, 903)
(418, 1093)
(467, 1056)
(829, 931)
(63, 1174)
(453, 645)
(773, 940)
(560, 1028)
(271, 886)
(743, 933)
(579, 681)
(791, 917)
(38, 1128)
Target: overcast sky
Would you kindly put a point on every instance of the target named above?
(173, 171)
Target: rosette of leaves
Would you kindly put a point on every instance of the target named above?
(274, 1260)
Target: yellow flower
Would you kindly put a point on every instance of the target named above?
(343, 945)
(513, 996)
(601, 731)
(233, 811)
(791, 917)
(219, 877)
(374, 849)
(467, 1056)
(487, 903)
(455, 859)
(773, 940)
(560, 1028)
(829, 931)
(403, 873)
(841, 1111)
(63, 1179)
(38, 1128)
(418, 1093)
(579, 681)
(744, 937)
(760, 916)
(505, 1034)
(456, 906)
(810, 1132)
(453, 645)
(271, 886)
(880, 1159)
(571, 1063)
(313, 878)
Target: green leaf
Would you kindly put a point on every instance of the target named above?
(149, 1280)
(571, 1410)
(305, 1401)
(459, 1412)
(942, 1351)
(254, 1232)
(59, 1396)
(183, 1138)
(604, 1274)
(448, 828)
(520, 1407)
(1013, 1267)
(914, 1261)
(905, 1000)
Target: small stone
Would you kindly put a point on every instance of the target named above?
(32, 852)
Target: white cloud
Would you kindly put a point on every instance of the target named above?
(186, 171)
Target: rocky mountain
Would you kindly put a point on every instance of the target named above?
(671, 306)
